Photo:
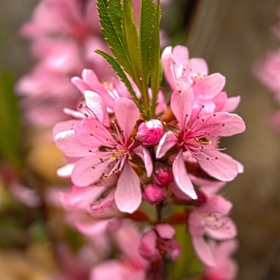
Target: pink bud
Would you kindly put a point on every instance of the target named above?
(154, 194)
(150, 132)
(162, 174)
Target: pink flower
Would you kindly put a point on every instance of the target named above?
(157, 242)
(225, 268)
(128, 264)
(162, 174)
(154, 194)
(100, 148)
(210, 219)
(150, 132)
(197, 133)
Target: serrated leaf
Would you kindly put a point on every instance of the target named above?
(155, 63)
(122, 76)
(146, 32)
(110, 16)
(10, 139)
(131, 37)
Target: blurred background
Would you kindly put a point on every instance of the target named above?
(231, 35)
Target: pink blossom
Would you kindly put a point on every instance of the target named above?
(225, 268)
(157, 242)
(210, 219)
(162, 174)
(197, 134)
(63, 17)
(150, 132)
(154, 194)
(129, 264)
(97, 148)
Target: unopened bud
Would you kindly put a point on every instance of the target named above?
(162, 174)
(150, 132)
(154, 194)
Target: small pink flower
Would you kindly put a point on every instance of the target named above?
(154, 194)
(157, 242)
(150, 132)
(197, 134)
(162, 174)
(99, 147)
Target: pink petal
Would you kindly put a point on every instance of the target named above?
(70, 146)
(165, 231)
(63, 126)
(223, 168)
(222, 228)
(182, 101)
(128, 192)
(209, 86)
(216, 204)
(83, 172)
(65, 171)
(95, 103)
(203, 251)
(167, 141)
(224, 124)
(108, 270)
(181, 176)
(231, 104)
(196, 224)
(147, 248)
(180, 54)
(126, 113)
(92, 132)
(167, 62)
(198, 66)
(144, 154)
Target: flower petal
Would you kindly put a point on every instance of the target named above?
(92, 132)
(95, 103)
(167, 141)
(209, 86)
(196, 224)
(65, 171)
(126, 113)
(88, 170)
(128, 192)
(182, 101)
(181, 176)
(221, 228)
(165, 231)
(70, 146)
(223, 124)
(144, 154)
(224, 168)
(203, 250)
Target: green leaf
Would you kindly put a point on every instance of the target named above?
(146, 31)
(155, 63)
(122, 76)
(131, 37)
(10, 127)
(110, 15)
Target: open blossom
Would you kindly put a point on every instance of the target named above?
(211, 219)
(226, 267)
(198, 133)
(100, 148)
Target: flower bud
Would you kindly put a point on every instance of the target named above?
(154, 194)
(150, 132)
(162, 174)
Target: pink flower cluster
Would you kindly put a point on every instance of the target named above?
(117, 158)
